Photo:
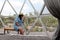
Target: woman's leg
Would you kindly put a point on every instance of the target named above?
(21, 31)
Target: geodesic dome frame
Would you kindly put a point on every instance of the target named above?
(38, 17)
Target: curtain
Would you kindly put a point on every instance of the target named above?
(54, 8)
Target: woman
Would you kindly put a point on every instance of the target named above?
(18, 25)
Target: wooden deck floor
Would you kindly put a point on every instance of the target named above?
(18, 37)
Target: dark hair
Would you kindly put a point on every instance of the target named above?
(20, 16)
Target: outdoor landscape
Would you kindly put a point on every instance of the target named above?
(49, 21)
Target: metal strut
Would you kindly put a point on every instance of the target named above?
(22, 6)
(35, 21)
(12, 7)
(1, 12)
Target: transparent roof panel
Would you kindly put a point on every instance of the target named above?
(1, 3)
(46, 11)
(17, 4)
(7, 10)
(27, 8)
(37, 4)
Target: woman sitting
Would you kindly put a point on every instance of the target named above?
(18, 25)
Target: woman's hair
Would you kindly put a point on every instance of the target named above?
(20, 16)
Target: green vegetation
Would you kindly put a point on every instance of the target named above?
(49, 21)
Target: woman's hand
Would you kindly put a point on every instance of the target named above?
(17, 23)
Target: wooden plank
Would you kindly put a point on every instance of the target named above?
(9, 29)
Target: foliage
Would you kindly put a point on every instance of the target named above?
(49, 21)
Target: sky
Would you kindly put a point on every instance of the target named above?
(17, 4)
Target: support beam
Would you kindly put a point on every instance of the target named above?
(1, 12)
(35, 21)
(35, 11)
(22, 6)
(39, 17)
(44, 27)
(2, 6)
(32, 5)
(12, 7)
(42, 9)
